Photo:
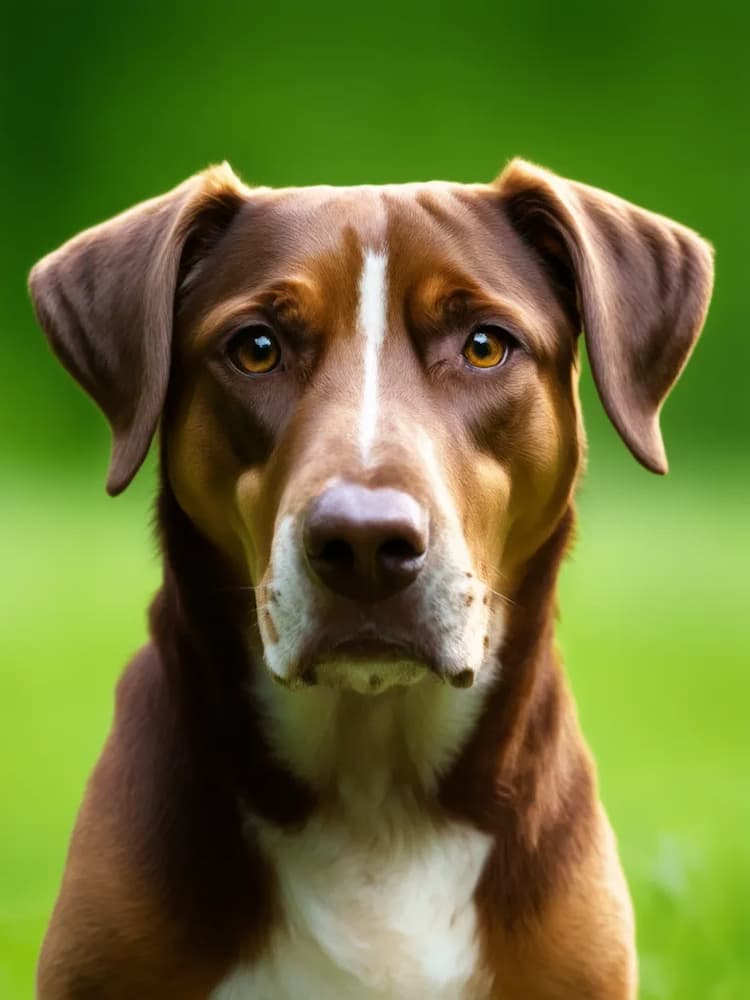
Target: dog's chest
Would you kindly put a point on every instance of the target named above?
(381, 912)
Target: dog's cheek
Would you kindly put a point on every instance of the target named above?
(546, 462)
(486, 525)
(203, 471)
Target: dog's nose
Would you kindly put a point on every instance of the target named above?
(365, 544)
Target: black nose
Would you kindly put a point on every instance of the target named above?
(365, 544)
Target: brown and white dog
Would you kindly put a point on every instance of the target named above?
(347, 764)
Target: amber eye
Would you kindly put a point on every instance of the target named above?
(487, 347)
(254, 350)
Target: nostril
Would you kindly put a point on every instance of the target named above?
(397, 551)
(338, 554)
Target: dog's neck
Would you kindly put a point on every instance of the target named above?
(481, 754)
(364, 755)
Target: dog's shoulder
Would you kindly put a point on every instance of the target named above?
(156, 873)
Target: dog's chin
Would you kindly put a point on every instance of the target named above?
(368, 676)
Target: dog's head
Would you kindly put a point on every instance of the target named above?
(368, 395)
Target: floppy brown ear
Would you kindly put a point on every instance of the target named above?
(105, 300)
(641, 283)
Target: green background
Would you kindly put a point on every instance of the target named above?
(103, 105)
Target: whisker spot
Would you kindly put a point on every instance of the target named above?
(463, 679)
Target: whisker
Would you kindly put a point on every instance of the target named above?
(485, 567)
(224, 590)
(491, 570)
(258, 608)
(502, 597)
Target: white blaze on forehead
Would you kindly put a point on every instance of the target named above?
(371, 320)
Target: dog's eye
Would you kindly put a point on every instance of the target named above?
(254, 350)
(487, 347)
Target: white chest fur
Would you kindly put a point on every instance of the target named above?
(376, 895)
(384, 912)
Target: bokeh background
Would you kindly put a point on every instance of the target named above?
(106, 104)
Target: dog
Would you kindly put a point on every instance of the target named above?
(347, 764)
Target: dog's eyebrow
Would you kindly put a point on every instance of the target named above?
(291, 303)
(295, 305)
(437, 304)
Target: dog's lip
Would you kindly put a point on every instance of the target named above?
(362, 646)
(367, 647)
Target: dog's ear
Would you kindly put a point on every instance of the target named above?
(638, 284)
(106, 300)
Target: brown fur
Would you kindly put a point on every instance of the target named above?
(165, 889)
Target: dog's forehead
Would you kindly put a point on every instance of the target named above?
(319, 236)
(444, 215)
(309, 220)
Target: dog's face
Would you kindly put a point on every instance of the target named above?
(372, 408)
(374, 416)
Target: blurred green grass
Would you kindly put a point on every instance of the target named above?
(654, 629)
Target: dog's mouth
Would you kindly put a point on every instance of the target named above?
(370, 664)
(371, 648)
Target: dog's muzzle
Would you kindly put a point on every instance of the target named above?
(364, 591)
